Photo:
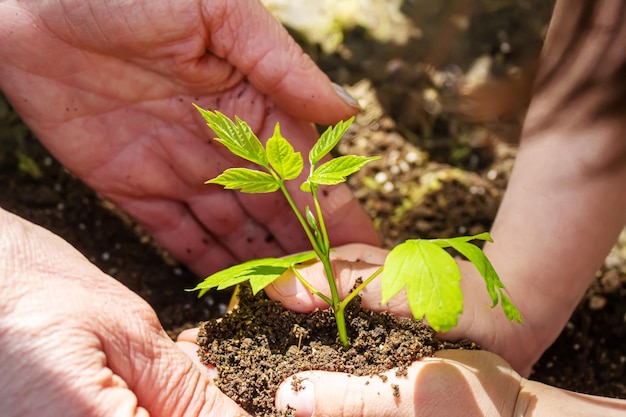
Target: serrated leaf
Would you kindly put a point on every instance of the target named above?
(446, 243)
(260, 272)
(281, 155)
(261, 280)
(229, 276)
(477, 257)
(246, 180)
(510, 311)
(337, 170)
(431, 277)
(328, 140)
(236, 136)
(262, 276)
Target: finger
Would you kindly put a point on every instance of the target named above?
(188, 335)
(163, 377)
(274, 63)
(191, 350)
(350, 262)
(470, 383)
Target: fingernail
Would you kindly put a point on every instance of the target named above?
(336, 198)
(345, 96)
(298, 395)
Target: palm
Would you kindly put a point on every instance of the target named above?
(114, 106)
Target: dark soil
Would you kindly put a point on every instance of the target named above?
(439, 175)
(260, 344)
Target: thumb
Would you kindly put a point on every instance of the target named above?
(350, 263)
(274, 63)
(165, 380)
(468, 383)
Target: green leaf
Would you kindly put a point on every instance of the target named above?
(337, 170)
(246, 180)
(510, 311)
(260, 272)
(306, 186)
(328, 140)
(445, 243)
(263, 275)
(477, 257)
(261, 280)
(229, 276)
(237, 137)
(287, 163)
(431, 277)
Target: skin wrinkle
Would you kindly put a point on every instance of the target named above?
(196, 259)
(270, 86)
(273, 85)
(269, 222)
(147, 13)
(150, 142)
(362, 404)
(196, 384)
(201, 252)
(240, 234)
(217, 238)
(192, 385)
(93, 24)
(522, 403)
(217, 19)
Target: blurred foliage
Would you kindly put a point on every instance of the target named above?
(456, 76)
(324, 22)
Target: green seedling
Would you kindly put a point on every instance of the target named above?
(424, 267)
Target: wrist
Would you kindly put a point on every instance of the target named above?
(520, 345)
(537, 400)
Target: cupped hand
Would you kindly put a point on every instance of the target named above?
(108, 86)
(452, 383)
(488, 327)
(75, 342)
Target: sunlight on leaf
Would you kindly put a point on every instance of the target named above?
(337, 170)
(431, 278)
(328, 140)
(287, 163)
(237, 137)
(260, 272)
(477, 257)
(246, 180)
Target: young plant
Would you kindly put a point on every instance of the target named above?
(424, 267)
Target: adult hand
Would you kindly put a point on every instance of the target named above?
(468, 383)
(75, 342)
(452, 383)
(108, 86)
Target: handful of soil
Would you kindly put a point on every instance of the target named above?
(259, 344)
